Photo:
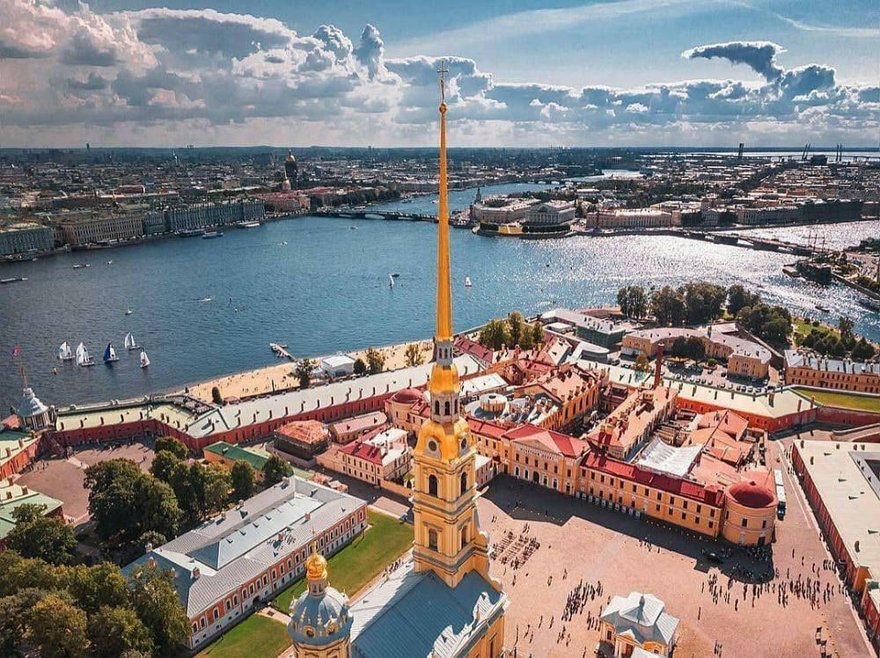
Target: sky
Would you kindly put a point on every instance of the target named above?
(354, 73)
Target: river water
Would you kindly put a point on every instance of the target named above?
(208, 307)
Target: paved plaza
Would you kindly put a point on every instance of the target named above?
(63, 478)
(551, 549)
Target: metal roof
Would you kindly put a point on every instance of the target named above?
(436, 620)
(641, 617)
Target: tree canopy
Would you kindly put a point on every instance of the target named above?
(375, 361)
(633, 301)
(170, 444)
(276, 469)
(413, 355)
(35, 535)
(244, 482)
(303, 372)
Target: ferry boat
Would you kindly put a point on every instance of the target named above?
(190, 233)
(212, 234)
(250, 225)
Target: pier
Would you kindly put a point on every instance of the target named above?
(281, 351)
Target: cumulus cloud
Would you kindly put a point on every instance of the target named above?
(759, 55)
(161, 73)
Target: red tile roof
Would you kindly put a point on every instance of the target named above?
(704, 494)
(305, 431)
(563, 444)
(364, 451)
(486, 428)
(472, 347)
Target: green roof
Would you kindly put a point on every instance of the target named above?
(237, 453)
(7, 523)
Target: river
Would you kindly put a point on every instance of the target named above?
(208, 307)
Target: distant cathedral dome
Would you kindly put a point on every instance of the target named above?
(320, 615)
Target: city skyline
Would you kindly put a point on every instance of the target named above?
(628, 73)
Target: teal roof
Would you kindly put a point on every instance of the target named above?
(237, 453)
(7, 507)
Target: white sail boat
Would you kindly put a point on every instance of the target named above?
(64, 352)
(390, 281)
(130, 343)
(467, 282)
(83, 358)
(110, 354)
(145, 360)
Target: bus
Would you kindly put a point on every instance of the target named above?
(780, 494)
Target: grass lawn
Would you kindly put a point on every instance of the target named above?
(802, 328)
(255, 637)
(361, 561)
(842, 399)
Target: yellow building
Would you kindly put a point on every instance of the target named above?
(443, 601)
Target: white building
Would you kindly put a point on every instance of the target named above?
(384, 456)
(632, 218)
(551, 213)
(638, 622)
(338, 365)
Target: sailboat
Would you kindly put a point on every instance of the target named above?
(145, 360)
(467, 282)
(83, 358)
(130, 343)
(110, 354)
(64, 352)
(390, 281)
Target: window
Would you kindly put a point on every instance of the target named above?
(446, 408)
(464, 537)
(216, 614)
(464, 484)
(432, 540)
(432, 485)
(745, 523)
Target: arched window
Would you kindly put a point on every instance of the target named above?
(432, 485)
(437, 407)
(464, 483)
(432, 540)
(464, 537)
(446, 408)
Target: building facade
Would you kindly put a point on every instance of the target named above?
(25, 237)
(804, 369)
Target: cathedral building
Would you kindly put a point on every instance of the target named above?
(443, 601)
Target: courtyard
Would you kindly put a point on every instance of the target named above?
(550, 547)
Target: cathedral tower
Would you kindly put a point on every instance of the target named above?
(448, 540)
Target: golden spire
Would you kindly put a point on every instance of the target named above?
(444, 294)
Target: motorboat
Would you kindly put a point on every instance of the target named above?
(212, 234)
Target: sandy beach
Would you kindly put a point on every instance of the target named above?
(280, 377)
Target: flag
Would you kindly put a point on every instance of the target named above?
(16, 351)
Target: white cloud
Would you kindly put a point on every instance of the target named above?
(162, 75)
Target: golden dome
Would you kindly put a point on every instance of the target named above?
(316, 566)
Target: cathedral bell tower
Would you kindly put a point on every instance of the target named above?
(448, 540)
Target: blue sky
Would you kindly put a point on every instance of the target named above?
(678, 72)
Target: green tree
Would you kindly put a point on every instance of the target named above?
(93, 587)
(170, 444)
(20, 573)
(738, 298)
(164, 465)
(695, 348)
(515, 328)
(863, 350)
(276, 469)
(244, 482)
(703, 301)
(360, 368)
(125, 502)
(115, 632)
(642, 364)
(668, 307)
(633, 301)
(679, 348)
(216, 486)
(413, 355)
(494, 335)
(38, 536)
(156, 602)
(216, 396)
(845, 327)
(537, 334)
(56, 628)
(14, 611)
(375, 361)
(303, 372)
